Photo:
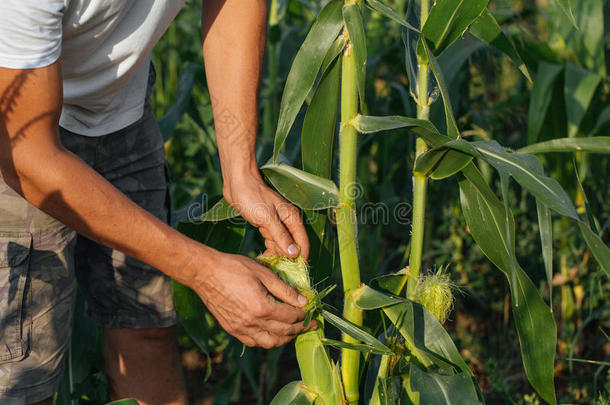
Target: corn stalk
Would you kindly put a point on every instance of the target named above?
(419, 180)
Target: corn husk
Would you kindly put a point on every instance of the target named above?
(317, 369)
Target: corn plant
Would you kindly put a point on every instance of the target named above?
(423, 365)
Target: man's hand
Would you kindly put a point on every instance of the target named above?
(278, 221)
(240, 293)
(233, 34)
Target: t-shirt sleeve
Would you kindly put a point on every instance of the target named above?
(30, 33)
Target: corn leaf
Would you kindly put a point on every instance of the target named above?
(367, 124)
(385, 10)
(440, 389)
(352, 15)
(541, 98)
(487, 222)
(600, 250)
(525, 169)
(317, 146)
(126, 401)
(509, 229)
(426, 338)
(294, 393)
(305, 68)
(335, 50)
(486, 28)
(452, 128)
(566, 7)
(355, 331)
(580, 86)
(440, 164)
(545, 226)
(367, 299)
(220, 211)
(586, 43)
(303, 189)
(364, 348)
(449, 19)
(596, 144)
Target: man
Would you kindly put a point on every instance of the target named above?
(91, 160)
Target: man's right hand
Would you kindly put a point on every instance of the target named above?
(240, 293)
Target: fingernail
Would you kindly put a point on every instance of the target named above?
(293, 250)
(302, 300)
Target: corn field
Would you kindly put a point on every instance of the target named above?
(450, 158)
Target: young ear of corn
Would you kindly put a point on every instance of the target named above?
(320, 375)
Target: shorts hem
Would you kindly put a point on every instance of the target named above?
(163, 320)
(32, 393)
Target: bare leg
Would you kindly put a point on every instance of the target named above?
(144, 364)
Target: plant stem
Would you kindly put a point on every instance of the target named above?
(347, 225)
(381, 375)
(419, 181)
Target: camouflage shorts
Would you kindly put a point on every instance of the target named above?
(40, 259)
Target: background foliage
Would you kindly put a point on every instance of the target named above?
(569, 96)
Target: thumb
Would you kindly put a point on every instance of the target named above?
(282, 237)
(281, 290)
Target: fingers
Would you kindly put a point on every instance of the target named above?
(291, 218)
(282, 237)
(281, 290)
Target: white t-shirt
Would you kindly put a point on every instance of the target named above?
(105, 47)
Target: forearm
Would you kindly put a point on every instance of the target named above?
(63, 186)
(234, 34)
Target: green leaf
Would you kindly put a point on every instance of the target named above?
(320, 123)
(525, 169)
(303, 189)
(440, 163)
(449, 19)
(426, 338)
(440, 389)
(355, 331)
(335, 50)
(392, 283)
(509, 229)
(596, 144)
(352, 346)
(486, 28)
(566, 7)
(317, 146)
(541, 98)
(452, 128)
(305, 68)
(126, 401)
(587, 43)
(294, 393)
(367, 298)
(220, 211)
(352, 15)
(167, 123)
(545, 226)
(600, 250)
(367, 124)
(580, 86)
(487, 222)
(385, 10)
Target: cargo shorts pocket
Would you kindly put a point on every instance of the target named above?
(15, 250)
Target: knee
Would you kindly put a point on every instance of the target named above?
(120, 339)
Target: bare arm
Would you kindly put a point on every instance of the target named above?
(34, 163)
(233, 47)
